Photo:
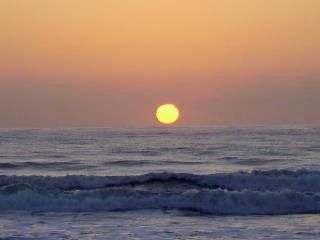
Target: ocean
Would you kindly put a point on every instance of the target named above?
(160, 183)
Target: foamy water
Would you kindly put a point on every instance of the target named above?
(191, 175)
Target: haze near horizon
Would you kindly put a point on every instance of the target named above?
(112, 63)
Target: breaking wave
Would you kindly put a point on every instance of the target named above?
(242, 193)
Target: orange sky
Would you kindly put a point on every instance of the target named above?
(110, 63)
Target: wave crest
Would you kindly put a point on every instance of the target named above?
(258, 192)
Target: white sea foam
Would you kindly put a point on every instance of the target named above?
(214, 202)
(270, 192)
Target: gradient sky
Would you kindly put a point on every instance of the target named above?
(111, 63)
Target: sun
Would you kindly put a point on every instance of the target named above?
(167, 113)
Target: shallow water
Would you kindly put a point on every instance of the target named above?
(156, 225)
(177, 183)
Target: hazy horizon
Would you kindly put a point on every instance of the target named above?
(109, 64)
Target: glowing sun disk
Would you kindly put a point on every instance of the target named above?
(167, 113)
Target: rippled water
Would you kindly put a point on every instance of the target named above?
(139, 151)
(156, 225)
(160, 183)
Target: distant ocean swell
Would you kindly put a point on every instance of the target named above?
(258, 192)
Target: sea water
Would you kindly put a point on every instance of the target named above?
(160, 183)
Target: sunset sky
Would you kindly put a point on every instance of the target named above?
(80, 63)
